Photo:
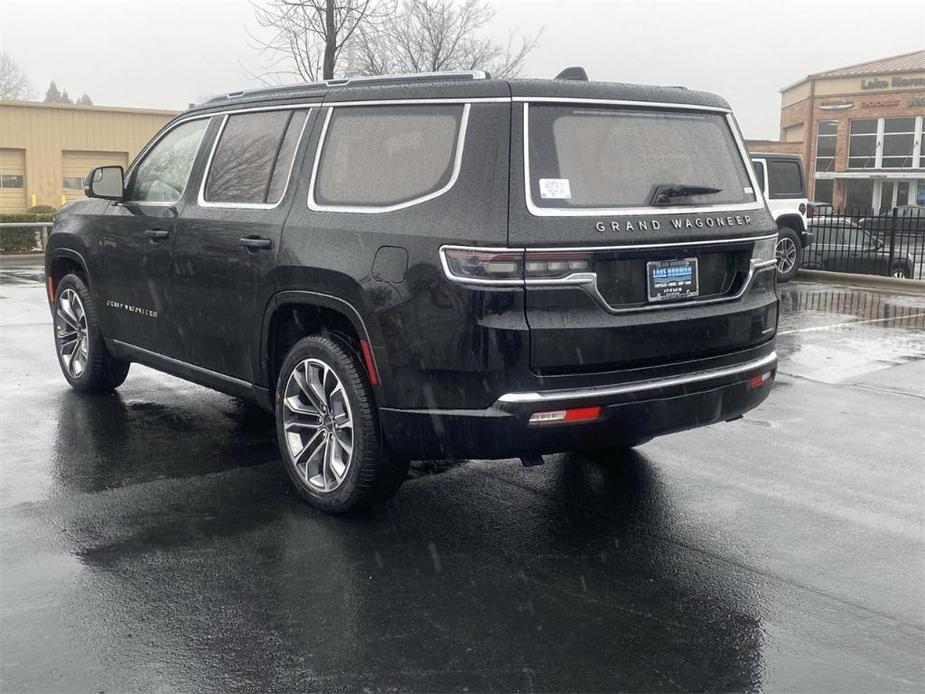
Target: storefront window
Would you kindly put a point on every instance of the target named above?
(823, 190)
(898, 142)
(862, 144)
(859, 195)
(826, 131)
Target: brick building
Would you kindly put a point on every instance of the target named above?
(859, 130)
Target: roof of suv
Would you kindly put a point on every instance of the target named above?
(459, 86)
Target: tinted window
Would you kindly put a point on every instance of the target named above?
(785, 179)
(378, 156)
(605, 157)
(161, 176)
(759, 173)
(253, 157)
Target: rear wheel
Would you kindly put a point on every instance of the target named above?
(328, 429)
(85, 362)
(789, 254)
(899, 272)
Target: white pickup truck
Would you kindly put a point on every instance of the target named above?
(784, 186)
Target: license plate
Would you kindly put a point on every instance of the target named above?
(670, 280)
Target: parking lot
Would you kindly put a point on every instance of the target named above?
(151, 541)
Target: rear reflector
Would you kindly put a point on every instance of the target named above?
(51, 289)
(368, 362)
(574, 414)
(758, 381)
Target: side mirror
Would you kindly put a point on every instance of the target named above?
(105, 182)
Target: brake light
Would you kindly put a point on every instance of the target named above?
(573, 414)
(483, 265)
(511, 266)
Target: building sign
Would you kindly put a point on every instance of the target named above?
(839, 105)
(880, 103)
(917, 101)
(894, 83)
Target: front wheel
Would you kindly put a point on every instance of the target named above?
(789, 254)
(900, 272)
(328, 429)
(85, 362)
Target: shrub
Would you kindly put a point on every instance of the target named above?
(21, 239)
(41, 209)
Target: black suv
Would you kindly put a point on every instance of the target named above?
(431, 266)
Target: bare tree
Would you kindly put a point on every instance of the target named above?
(433, 35)
(306, 37)
(14, 85)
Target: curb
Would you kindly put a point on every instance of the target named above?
(874, 281)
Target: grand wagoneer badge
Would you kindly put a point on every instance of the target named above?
(678, 223)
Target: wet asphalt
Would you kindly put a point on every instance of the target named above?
(150, 541)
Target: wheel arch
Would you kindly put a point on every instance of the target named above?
(314, 313)
(62, 261)
(791, 220)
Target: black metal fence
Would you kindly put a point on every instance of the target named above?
(891, 244)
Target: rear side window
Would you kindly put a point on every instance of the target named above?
(381, 157)
(583, 157)
(785, 179)
(253, 158)
(759, 172)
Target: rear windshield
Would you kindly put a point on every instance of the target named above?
(584, 157)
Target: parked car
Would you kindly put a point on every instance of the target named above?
(781, 180)
(431, 266)
(842, 246)
(819, 209)
(910, 220)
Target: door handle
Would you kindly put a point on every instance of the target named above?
(255, 243)
(157, 234)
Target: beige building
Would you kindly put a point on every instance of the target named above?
(859, 130)
(46, 150)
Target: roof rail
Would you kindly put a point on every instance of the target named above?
(286, 89)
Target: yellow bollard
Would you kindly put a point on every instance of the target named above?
(33, 200)
(63, 199)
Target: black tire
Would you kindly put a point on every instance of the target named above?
(371, 475)
(100, 371)
(900, 272)
(789, 254)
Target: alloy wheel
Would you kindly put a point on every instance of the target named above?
(318, 425)
(72, 334)
(899, 273)
(786, 255)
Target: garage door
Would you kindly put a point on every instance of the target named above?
(77, 165)
(12, 180)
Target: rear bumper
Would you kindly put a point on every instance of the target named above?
(629, 412)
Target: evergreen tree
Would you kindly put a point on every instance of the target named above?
(53, 96)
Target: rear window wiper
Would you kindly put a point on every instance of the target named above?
(665, 193)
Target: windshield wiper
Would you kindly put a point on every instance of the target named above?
(665, 193)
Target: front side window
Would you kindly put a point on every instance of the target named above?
(583, 157)
(785, 179)
(385, 156)
(162, 174)
(253, 157)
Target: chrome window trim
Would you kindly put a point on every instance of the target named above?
(537, 211)
(637, 386)
(207, 169)
(587, 281)
(378, 209)
(412, 102)
(618, 102)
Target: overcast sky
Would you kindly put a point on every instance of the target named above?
(168, 53)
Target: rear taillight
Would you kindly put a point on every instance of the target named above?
(553, 265)
(483, 266)
(764, 250)
(512, 266)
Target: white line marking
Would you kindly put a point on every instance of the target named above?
(852, 322)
